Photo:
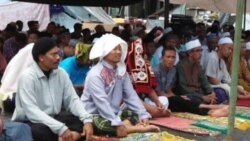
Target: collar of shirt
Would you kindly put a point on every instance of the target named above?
(40, 72)
(107, 65)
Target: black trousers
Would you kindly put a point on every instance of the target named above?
(41, 132)
(178, 104)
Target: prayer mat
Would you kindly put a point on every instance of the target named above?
(243, 112)
(211, 126)
(243, 102)
(182, 124)
(161, 136)
(216, 123)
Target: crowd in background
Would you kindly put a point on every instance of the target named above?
(183, 64)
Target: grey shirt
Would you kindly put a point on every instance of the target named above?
(216, 68)
(39, 98)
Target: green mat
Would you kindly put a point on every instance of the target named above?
(211, 126)
(243, 112)
(216, 123)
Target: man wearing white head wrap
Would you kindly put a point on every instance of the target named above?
(107, 85)
(105, 45)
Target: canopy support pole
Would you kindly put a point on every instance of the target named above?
(235, 69)
(166, 13)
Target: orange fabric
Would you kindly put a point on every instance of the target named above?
(243, 72)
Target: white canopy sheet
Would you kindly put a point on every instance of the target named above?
(13, 11)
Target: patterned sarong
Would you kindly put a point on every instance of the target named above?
(103, 126)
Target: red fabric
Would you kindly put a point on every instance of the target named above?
(136, 56)
(243, 102)
(180, 124)
(3, 63)
(173, 122)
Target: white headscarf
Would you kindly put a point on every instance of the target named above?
(105, 45)
(21, 61)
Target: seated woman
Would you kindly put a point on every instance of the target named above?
(166, 76)
(107, 86)
(78, 66)
(144, 80)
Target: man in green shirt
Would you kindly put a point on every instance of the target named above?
(191, 79)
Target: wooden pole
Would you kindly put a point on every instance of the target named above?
(166, 13)
(235, 69)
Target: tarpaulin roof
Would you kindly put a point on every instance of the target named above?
(85, 2)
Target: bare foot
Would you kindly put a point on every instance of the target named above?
(160, 113)
(222, 112)
(147, 128)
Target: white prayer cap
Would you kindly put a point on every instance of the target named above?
(192, 44)
(225, 40)
(105, 45)
(248, 46)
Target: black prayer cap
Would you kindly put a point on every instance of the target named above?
(42, 46)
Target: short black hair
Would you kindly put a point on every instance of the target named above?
(77, 26)
(42, 46)
(167, 49)
(31, 23)
(52, 23)
(61, 36)
(148, 39)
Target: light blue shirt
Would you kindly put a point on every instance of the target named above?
(39, 98)
(76, 73)
(104, 91)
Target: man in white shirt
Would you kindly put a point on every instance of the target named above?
(43, 91)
